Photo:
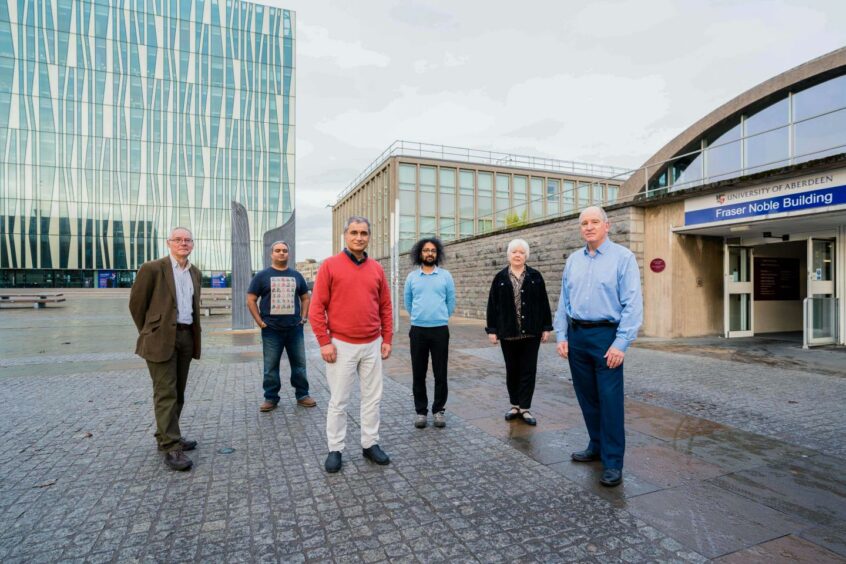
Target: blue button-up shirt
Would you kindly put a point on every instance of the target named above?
(429, 298)
(604, 286)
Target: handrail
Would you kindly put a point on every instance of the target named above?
(482, 156)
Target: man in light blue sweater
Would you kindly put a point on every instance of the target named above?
(429, 300)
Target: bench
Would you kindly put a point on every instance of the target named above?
(37, 301)
(215, 303)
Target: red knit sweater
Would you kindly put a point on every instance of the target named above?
(351, 302)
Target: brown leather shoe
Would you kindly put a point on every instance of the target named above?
(267, 406)
(177, 460)
(306, 402)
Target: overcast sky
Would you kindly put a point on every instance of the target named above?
(594, 81)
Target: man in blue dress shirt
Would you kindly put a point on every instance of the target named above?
(429, 300)
(599, 313)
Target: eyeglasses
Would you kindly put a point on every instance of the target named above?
(429, 251)
(180, 240)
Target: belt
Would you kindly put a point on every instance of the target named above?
(589, 324)
(184, 326)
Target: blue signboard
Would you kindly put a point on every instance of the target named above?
(218, 280)
(779, 204)
(106, 279)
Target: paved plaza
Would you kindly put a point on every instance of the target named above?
(730, 458)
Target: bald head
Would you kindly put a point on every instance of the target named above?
(594, 226)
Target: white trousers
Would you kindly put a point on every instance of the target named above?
(364, 361)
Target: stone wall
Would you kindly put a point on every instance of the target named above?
(474, 262)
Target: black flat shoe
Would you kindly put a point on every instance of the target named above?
(584, 456)
(528, 419)
(333, 462)
(611, 477)
(376, 454)
(513, 413)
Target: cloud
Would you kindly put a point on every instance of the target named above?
(571, 117)
(315, 41)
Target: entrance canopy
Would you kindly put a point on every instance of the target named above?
(776, 227)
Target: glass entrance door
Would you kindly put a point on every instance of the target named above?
(821, 303)
(737, 291)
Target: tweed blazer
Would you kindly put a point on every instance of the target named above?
(152, 303)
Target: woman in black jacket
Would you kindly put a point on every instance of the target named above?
(519, 319)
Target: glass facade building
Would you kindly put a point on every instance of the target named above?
(120, 119)
(804, 124)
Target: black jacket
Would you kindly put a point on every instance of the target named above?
(502, 316)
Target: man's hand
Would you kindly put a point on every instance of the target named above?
(614, 357)
(329, 353)
(386, 351)
(544, 336)
(492, 338)
(563, 349)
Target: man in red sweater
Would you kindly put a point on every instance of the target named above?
(352, 319)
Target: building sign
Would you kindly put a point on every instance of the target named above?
(779, 199)
(218, 280)
(776, 279)
(657, 265)
(106, 279)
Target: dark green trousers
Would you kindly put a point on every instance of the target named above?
(169, 380)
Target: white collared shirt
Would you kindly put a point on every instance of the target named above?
(184, 292)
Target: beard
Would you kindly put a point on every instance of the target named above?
(429, 260)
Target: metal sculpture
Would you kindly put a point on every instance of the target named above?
(241, 267)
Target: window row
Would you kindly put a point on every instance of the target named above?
(803, 126)
(208, 41)
(74, 81)
(102, 14)
(17, 144)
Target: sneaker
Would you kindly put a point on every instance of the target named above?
(420, 420)
(440, 419)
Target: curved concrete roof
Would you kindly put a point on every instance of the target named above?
(815, 70)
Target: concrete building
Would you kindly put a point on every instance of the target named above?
(308, 268)
(739, 223)
(745, 214)
(120, 120)
(454, 193)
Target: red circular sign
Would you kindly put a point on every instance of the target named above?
(657, 265)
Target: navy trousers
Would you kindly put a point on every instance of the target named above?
(599, 390)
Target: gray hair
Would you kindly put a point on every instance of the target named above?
(279, 242)
(356, 219)
(175, 229)
(514, 244)
(602, 214)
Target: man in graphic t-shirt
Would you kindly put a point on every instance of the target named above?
(278, 300)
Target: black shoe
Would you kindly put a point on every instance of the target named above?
(527, 417)
(513, 413)
(187, 444)
(333, 462)
(611, 477)
(584, 456)
(177, 460)
(376, 454)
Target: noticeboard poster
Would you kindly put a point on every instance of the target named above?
(776, 279)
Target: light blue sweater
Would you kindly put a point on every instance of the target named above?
(429, 298)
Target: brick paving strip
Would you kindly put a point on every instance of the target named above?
(80, 479)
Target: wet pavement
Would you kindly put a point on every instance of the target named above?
(728, 458)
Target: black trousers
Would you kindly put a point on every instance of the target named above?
(521, 366)
(426, 341)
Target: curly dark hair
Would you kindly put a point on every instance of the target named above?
(416, 250)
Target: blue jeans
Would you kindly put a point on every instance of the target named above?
(274, 341)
